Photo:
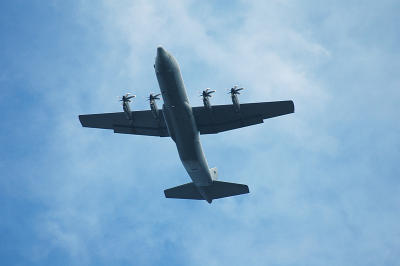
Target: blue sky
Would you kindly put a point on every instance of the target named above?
(324, 182)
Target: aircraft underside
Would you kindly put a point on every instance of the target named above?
(184, 124)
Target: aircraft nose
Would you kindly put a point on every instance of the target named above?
(162, 59)
(161, 51)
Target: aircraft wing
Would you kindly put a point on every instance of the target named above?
(143, 123)
(223, 117)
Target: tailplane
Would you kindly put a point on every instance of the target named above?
(220, 189)
(185, 191)
(217, 190)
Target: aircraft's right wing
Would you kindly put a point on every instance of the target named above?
(223, 117)
(143, 123)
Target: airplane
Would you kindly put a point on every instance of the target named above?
(183, 123)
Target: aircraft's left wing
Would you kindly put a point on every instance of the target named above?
(223, 117)
(143, 123)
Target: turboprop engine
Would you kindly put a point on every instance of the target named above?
(206, 94)
(153, 106)
(126, 99)
(234, 92)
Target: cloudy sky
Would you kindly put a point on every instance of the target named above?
(324, 182)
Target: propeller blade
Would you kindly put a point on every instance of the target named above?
(126, 97)
(154, 97)
(235, 90)
(207, 93)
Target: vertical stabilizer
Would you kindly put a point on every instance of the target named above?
(214, 173)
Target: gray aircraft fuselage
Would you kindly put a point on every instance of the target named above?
(180, 121)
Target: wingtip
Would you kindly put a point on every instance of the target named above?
(80, 120)
(292, 104)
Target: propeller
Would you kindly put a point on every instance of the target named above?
(235, 90)
(154, 97)
(126, 98)
(207, 93)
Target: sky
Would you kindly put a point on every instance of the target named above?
(324, 181)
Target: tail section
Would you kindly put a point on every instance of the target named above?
(214, 173)
(217, 190)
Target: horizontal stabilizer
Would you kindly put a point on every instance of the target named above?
(217, 190)
(221, 189)
(186, 191)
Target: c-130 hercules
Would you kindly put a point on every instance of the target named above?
(184, 123)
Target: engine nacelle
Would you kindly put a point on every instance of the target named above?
(206, 94)
(235, 100)
(127, 110)
(153, 106)
(206, 103)
(126, 99)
